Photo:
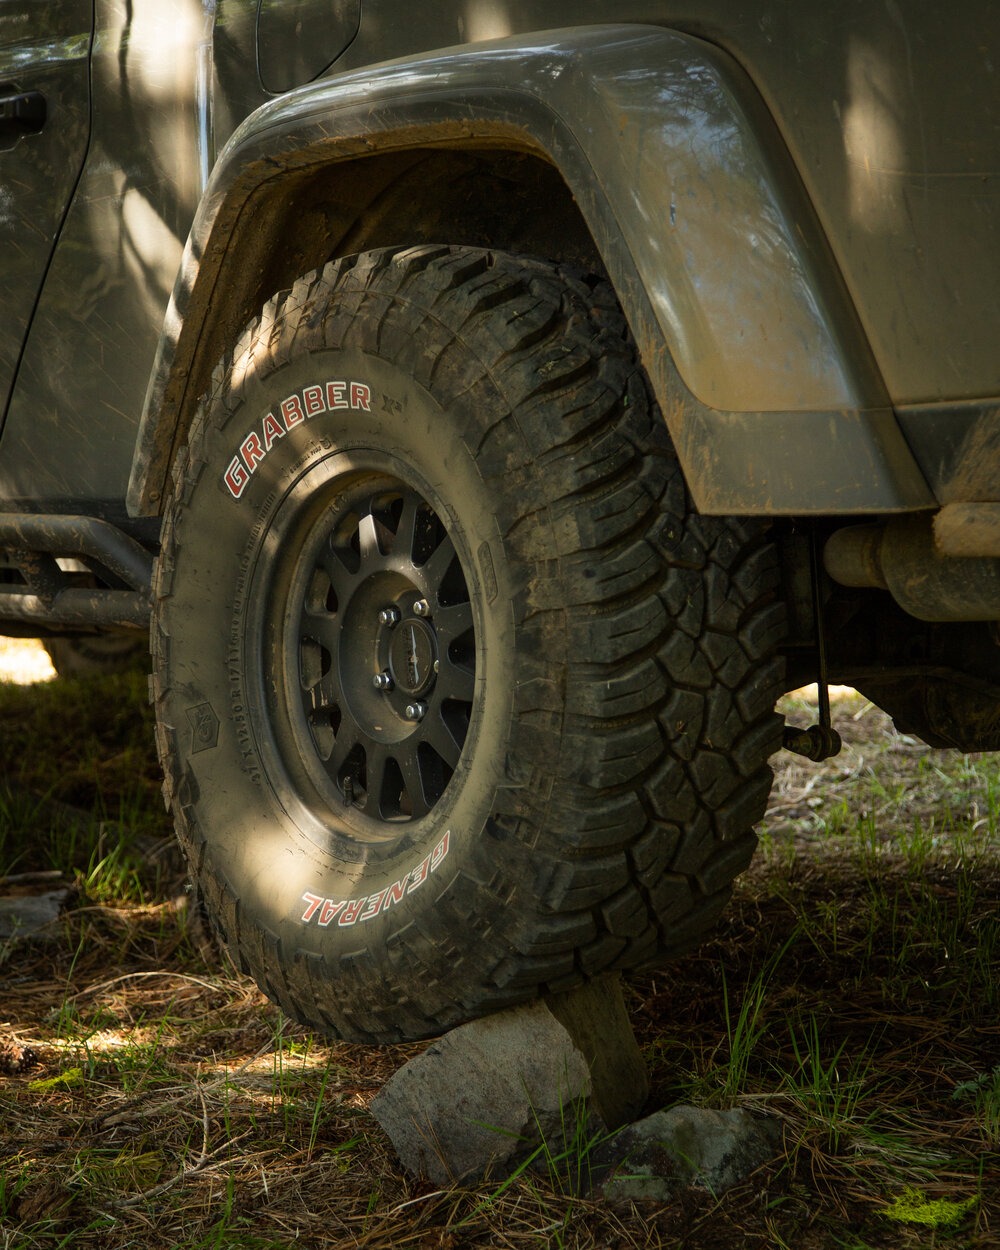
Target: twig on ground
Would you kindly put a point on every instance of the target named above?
(142, 976)
(202, 1165)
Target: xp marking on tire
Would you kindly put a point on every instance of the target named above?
(477, 633)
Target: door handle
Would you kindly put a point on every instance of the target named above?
(22, 114)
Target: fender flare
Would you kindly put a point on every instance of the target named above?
(750, 340)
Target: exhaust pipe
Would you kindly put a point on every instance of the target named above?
(902, 556)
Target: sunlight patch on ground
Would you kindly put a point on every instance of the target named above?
(24, 661)
(810, 693)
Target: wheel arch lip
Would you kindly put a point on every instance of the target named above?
(743, 323)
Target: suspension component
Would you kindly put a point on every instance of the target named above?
(818, 742)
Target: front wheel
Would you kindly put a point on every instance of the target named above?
(458, 700)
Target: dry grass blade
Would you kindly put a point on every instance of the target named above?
(204, 1161)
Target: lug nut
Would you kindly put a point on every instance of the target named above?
(383, 680)
(415, 711)
(421, 608)
(389, 616)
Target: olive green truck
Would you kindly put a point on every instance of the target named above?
(490, 407)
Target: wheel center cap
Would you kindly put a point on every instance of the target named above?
(412, 654)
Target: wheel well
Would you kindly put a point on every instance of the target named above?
(298, 220)
(479, 198)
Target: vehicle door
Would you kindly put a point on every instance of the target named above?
(44, 131)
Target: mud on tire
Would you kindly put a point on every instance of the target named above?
(458, 699)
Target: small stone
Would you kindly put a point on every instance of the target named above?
(685, 1147)
(28, 915)
(481, 1098)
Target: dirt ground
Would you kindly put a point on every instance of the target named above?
(150, 1096)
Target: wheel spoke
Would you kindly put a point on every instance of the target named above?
(323, 628)
(377, 756)
(414, 783)
(347, 739)
(438, 564)
(455, 682)
(337, 565)
(439, 736)
(451, 621)
(406, 530)
(368, 535)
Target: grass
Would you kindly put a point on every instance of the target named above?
(153, 1098)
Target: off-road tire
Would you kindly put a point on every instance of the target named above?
(612, 696)
(86, 655)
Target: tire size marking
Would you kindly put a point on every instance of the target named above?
(293, 410)
(349, 911)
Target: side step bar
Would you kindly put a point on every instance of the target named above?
(51, 596)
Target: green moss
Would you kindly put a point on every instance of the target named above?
(911, 1207)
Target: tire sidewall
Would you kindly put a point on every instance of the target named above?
(272, 852)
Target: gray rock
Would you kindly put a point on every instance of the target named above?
(685, 1147)
(486, 1094)
(29, 915)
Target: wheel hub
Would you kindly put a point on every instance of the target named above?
(412, 656)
